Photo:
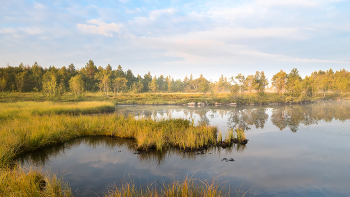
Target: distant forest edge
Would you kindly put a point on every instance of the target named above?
(54, 82)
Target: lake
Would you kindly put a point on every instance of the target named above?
(293, 150)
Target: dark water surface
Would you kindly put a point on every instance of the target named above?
(294, 150)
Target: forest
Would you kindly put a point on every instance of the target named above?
(53, 82)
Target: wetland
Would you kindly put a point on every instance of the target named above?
(293, 150)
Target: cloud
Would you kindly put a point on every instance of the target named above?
(7, 30)
(102, 28)
(31, 30)
(234, 33)
(293, 3)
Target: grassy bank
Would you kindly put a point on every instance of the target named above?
(172, 98)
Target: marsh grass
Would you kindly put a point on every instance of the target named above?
(18, 181)
(240, 134)
(177, 188)
(28, 109)
(29, 126)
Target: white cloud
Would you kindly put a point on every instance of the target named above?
(31, 30)
(157, 13)
(7, 30)
(39, 6)
(102, 28)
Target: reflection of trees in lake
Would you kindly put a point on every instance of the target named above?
(203, 119)
(42, 156)
(286, 116)
(294, 115)
(243, 118)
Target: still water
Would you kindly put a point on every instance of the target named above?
(293, 150)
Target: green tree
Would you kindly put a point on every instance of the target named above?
(342, 84)
(37, 74)
(119, 83)
(153, 86)
(104, 76)
(203, 84)
(260, 82)
(240, 78)
(249, 83)
(293, 84)
(89, 71)
(146, 81)
(307, 85)
(3, 84)
(20, 80)
(76, 85)
(279, 81)
(169, 83)
(137, 87)
(326, 84)
(49, 83)
(120, 72)
(235, 90)
(186, 84)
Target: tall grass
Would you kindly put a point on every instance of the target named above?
(27, 109)
(183, 188)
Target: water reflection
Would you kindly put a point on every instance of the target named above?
(243, 118)
(284, 116)
(42, 157)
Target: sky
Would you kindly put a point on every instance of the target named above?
(179, 37)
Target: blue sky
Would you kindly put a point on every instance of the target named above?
(178, 37)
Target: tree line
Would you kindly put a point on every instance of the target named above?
(54, 81)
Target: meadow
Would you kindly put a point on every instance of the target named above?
(28, 126)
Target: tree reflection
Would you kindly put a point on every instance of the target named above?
(294, 115)
(283, 116)
(243, 118)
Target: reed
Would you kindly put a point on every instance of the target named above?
(240, 134)
(220, 137)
